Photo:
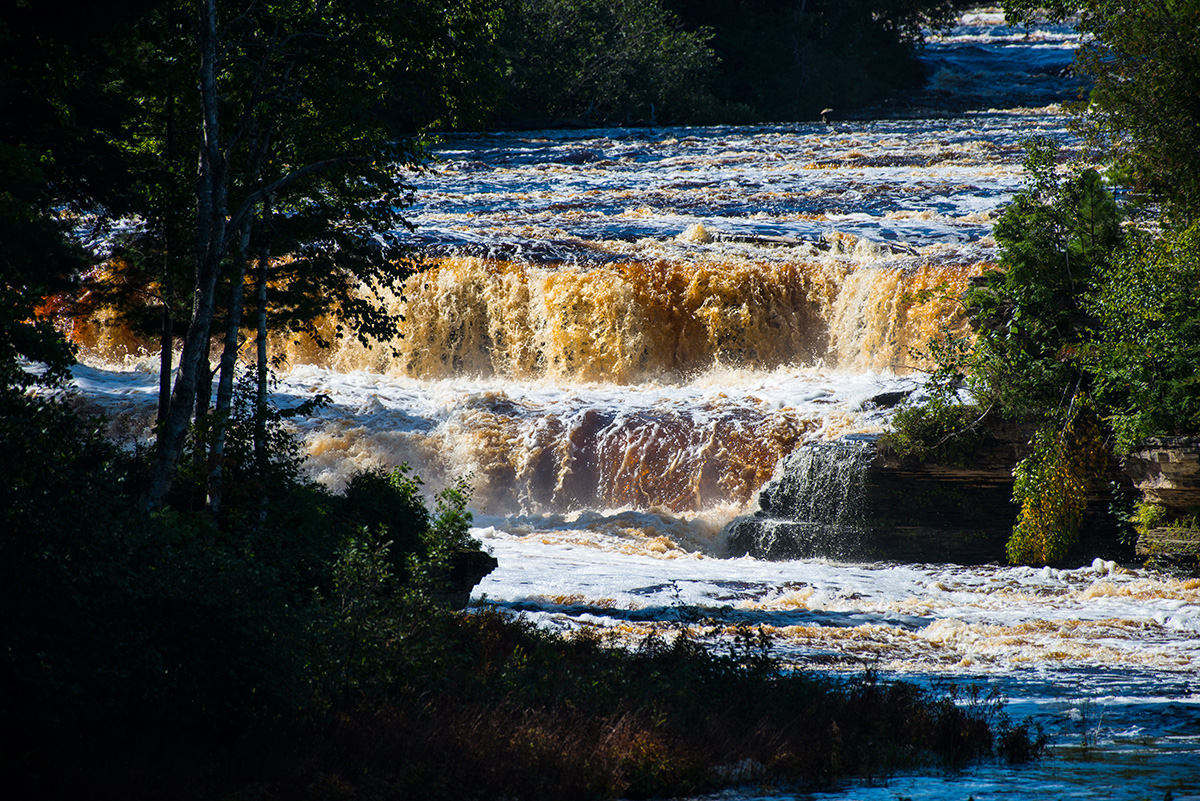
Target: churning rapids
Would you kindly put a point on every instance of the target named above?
(623, 332)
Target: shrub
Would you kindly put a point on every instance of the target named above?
(942, 426)
(1030, 316)
(1052, 485)
(1146, 357)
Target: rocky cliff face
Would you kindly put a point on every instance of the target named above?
(1167, 472)
(901, 509)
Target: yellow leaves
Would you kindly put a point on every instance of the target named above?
(1052, 485)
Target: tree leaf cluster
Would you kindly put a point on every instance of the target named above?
(601, 61)
(1146, 357)
(1030, 315)
(1052, 485)
(1087, 332)
(704, 61)
(1143, 59)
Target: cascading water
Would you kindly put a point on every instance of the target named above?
(625, 331)
(815, 506)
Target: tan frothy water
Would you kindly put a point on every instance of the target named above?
(630, 322)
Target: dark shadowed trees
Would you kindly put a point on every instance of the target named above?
(62, 106)
(602, 62)
(293, 109)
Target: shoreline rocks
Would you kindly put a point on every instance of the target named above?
(897, 509)
(1166, 470)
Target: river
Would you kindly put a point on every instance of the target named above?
(622, 333)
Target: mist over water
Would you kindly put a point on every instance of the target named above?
(623, 332)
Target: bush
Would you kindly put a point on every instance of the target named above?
(1146, 358)
(118, 621)
(942, 426)
(1030, 316)
(1052, 485)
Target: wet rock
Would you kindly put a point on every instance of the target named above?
(869, 504)
(579, 157)
(467, 569)
(886, 400)
(813, 506)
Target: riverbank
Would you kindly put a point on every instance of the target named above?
(499, 708)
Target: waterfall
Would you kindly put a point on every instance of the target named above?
(815, 505)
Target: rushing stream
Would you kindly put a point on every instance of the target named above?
(623, 331)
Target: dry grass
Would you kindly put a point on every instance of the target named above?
(502, 710)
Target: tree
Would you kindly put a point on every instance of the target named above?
(602, 61)
(61, 155)
(37, 257)
(1032, 357)
(1146, 356)
(789, 59)
(1031, 320)
(293, 108)
(1144, 108)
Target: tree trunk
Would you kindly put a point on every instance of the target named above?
(260, 395)
(224, 409)
(211, 210)
(167, 345)
(167, 332)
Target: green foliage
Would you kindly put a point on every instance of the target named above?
(939, 429)
(64, 102)
(37, 258)
(941, 426)
(451, 526)
(114, 619)
(616, 61)
(380, 626)
(1031, 320)
(1141, 57)
(1052, 485)
(1147, 516)
(1146, 357)
(602, 61)
(390, 506)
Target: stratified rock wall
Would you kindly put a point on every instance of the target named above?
(903, 509)
(1167, 472)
